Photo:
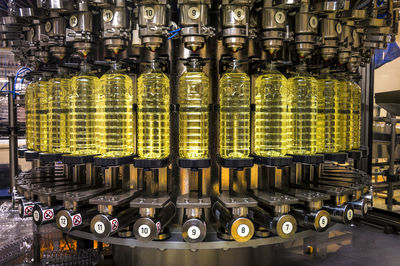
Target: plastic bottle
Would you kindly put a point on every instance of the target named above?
(303, 112)
(356, 112)
(114, 113)
(234, 124)
(30, 116)
(345, 114)
(270, 123)
(41, 115)
(328, 112)
(82, 112)
(153, 114)
(58, 102)
(193, 111)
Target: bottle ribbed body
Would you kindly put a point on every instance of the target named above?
(356, 99)
(82, 115)
(327, 117)
(58, 102)
(345, 116)
(303, 112)
(193, 115)
(153, 116)
(270, 116)
(41, 111)
(234, 124)
(30, 116)
(115, 117)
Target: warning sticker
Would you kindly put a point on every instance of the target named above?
(48, 215)
(114, 224)
(76, 220)
(28, 210)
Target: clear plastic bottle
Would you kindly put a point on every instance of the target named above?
(345, 114)
(193, 112)
(356, 112)
(234, 124)
(30, 116)
(303, 112)
(82, 113)
(270, 125)
(41, 114)
(114, 113)
(328, 112)
(153, 131)
(59, 90)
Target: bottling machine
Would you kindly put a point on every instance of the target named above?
(194, 125)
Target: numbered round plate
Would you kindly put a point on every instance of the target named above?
(148, 13)
(194, 230)
(322, 221)
(242, 229)
(145, 229)
(239, 14)
(100, 225)
(286, 226)
(194, 13)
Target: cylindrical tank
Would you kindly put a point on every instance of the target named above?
(114, 114)
(58, 102)
(193, 112)
(153, 113)
(345, 114)
(30, 116)
(303, 113)
(328, 111)
(82, 111)
(234, 121)
(41, 113)
(356, 99)
(270, 125)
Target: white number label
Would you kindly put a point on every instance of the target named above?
(148, 13)
(99, 227)
(194, 13)
(63, 221)
(239, 14)
(193, 232)
(73, 21)
(313, 22)
(280, 17)
(339, 28)
(36, 215)
(350, 214)
(287, 227)
(144, 230)
(243, 230)
(323, 221)
(47, 26)
(365, 208)
(108, 15)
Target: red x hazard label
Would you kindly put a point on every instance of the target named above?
(114, 224)
(28, 210)
(76, 220)
(48, 215)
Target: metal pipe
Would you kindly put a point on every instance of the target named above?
(13, 136)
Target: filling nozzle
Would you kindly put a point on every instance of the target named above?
(306, 25)
(235, 23)
(193, 22)
(153, 23)
(115, 27)
(273, 26)
(330, 28)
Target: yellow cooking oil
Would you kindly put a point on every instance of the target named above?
(328, 111)
(270, 125)
(115, 114)
(303, 112)
(41, 115)
(30, 116)
(234, 122)
(58, 102)
(193, 112)
(345, 114)
(82, 112)
(153, 115)
(356, 112)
